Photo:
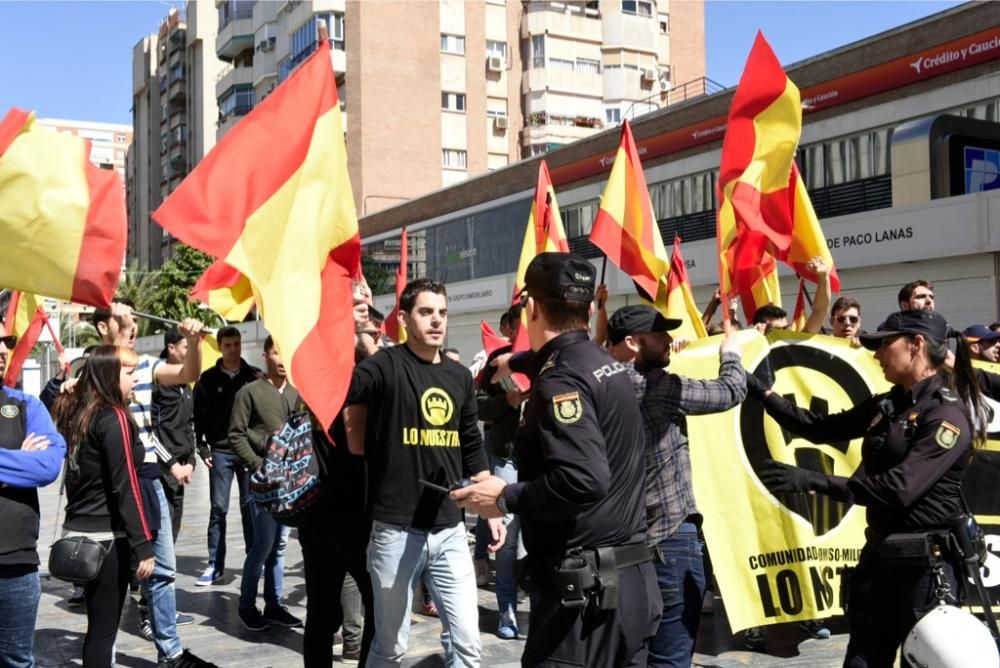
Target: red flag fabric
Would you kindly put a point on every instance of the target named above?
(491, 340)
(225, 290)
(392, 327)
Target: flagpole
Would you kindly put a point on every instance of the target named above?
(168, 321)
(604, 268)
(805, 291)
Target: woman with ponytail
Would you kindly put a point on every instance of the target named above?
(918, 439)
(103, 498)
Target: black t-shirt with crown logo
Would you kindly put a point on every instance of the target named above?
(422, 424)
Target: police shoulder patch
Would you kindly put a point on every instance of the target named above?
(567, 407)
(9, 411)
(947, 435)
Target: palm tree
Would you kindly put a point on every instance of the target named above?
(140, 287)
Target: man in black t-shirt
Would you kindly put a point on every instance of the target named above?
(412, 412)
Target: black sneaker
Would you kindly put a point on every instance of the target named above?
(145, 627)
(185, 660)
(282, 617)
(252, 620)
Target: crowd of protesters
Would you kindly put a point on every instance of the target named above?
(131, 430)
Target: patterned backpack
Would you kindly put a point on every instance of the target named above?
(288, 482)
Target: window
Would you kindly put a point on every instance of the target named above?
(561, 64)
(664, 24)
(453, 101)
(613, 115)
(303, 40)
(452, 44)
(496, 49)
(453, 158)
(239, 102)
(637, 7)
(537, 51)
(588, 65)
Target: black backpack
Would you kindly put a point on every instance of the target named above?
(288, 482)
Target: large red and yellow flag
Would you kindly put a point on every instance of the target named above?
(62, 220)
(273, 201)
(679, 300)
(393, 328)
(625, 227)
(763, 206)
(225, 290)
(545, 233)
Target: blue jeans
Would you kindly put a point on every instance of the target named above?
(20, 590)
(397, 559)
(681, 576)
(225, 465)
(506, 470)
(270, 538)
(159, 588)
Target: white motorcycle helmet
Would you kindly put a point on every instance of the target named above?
(949, 637)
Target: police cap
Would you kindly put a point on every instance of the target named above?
(564, 276)
(980, 333)
(637, 319)
(929, 324)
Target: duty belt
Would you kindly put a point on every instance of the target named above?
(591, 575)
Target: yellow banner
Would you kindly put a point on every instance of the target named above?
(778, 558)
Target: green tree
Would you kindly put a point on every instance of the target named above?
(141, 288)
(381, 281)
(173, 287)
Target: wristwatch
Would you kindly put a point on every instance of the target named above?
(502, 502)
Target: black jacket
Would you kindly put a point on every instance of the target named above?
(500, 420)
(173, 422)
(102, 481)
(213, 404)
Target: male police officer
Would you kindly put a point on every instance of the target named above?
(580, 495)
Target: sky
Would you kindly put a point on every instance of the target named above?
(73, 59)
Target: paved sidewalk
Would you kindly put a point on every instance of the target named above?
(218, 636)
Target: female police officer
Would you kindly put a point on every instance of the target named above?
(917, 442)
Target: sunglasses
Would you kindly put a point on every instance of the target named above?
(853, 319)
(9, 341)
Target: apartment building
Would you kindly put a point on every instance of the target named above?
(173, 113)
(435, 91)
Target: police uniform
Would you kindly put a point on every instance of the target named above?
(916, 447)
(595, 601)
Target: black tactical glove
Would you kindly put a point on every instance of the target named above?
(779, 478)
(756, 387)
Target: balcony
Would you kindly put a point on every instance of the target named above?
(580, 84)
(178, 91)
(539, 130)
(178, 136)
(234, 38)
(232, 76)
(573, 21)
(177, 40)
(627, 31)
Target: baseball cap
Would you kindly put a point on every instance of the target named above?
(929, 324)
(564, 276)
(171, 336)
(637, 319)
(980, 333)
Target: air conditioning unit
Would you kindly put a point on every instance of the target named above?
(665, 85)
(500, 122)
(649, 75)
(266, 45)
(495, 64)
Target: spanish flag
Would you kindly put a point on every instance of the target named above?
(764, 209)
(273, 201)
(625, 227)
(679, 300)
(62, 220)
(393, 328)
(25, 319)
(224, 290)
(545, 233)
(762, 287)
